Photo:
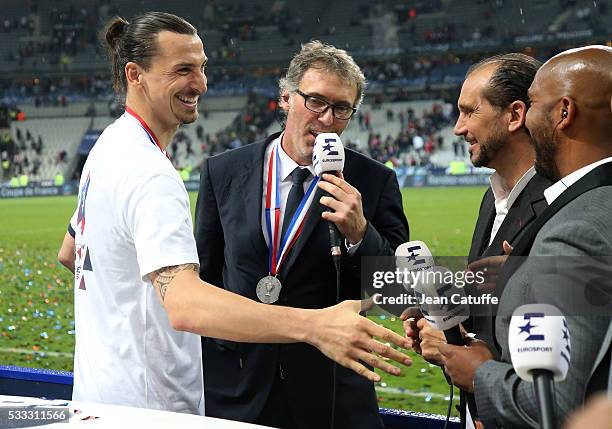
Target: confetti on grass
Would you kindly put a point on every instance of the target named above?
(36, 309)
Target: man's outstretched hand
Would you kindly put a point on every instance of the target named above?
(348, 338)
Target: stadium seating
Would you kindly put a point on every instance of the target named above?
(57, 135)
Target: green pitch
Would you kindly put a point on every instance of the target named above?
(36, 301)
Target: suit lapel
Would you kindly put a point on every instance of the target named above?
(523, 211)
(252, 192)
(529, 204)
(483, 227)
(509, 229)
(600, 176)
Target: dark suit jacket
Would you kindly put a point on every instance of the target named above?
(526, 208)
(568, 265)
(233, 254)
(528, 205)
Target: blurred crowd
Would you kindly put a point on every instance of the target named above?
(418, 137)
(401, 72)
(71, 29)
(22, 154)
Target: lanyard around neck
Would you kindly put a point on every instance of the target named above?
(147, 130)
(279, 247)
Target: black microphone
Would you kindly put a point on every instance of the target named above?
(328, 157)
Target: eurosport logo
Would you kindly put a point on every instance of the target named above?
(329, 148)
(527, 328)
(413, 257)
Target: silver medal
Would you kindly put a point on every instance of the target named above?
(268, 289)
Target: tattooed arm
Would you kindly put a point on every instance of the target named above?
(164, 276)
(339, 332)
(196, 306)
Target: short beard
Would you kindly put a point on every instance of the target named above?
(546, 149)
(489, 148)
(190, 120)
(545, 161)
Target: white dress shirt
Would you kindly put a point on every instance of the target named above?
(505, 198)
(553, 192)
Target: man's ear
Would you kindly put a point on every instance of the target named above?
(284, 101)
(565, 112)
(133, 74)
(518, 113)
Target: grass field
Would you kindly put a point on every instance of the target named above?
(36, 301)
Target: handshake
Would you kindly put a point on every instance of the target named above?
(435, 331)
(459, 362)
(353, 345)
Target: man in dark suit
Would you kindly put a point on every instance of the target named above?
(292, 386)
(493, 104)
(569, 245)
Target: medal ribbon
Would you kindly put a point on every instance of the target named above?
(279, 250)
(145, 127)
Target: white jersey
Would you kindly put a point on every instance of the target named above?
(133, 218)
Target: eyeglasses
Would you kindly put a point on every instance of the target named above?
(318, 105)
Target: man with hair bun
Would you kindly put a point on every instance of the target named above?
(294, 385)
(138, 298)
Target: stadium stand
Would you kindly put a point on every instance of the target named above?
(60, 139)
(414, 56)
